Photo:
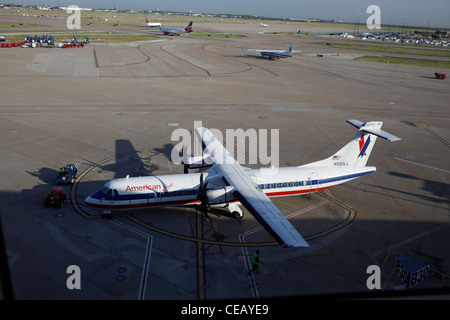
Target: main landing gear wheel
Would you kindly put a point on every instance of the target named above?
(235, 211)
(237, 214)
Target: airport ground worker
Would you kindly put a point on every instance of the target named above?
(256, 261)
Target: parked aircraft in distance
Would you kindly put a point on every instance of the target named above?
(176, 31)
(226, 184)
(153, 24)
(264, 24)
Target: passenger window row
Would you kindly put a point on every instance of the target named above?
(287, 184)
(176, 193)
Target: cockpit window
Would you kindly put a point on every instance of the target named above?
(104, 189)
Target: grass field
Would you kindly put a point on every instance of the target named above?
(441, 52)
(214, 34)
(110, 37)
(408, 61)
(18, 25)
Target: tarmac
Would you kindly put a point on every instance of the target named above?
(115, 107)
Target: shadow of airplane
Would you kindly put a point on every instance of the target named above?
(439, 189)
(127, 161)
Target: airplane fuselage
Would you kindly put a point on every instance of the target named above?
(172, 31)
(183, 189)
(272, 54)
(152, 24)
(176, 31)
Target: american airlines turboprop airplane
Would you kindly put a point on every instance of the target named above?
(225, 183)
(276, 53)
(177, 31)
(153, 24)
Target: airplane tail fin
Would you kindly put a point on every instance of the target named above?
(146, 20)
(189, 27)
(357, 151)
(291, 46)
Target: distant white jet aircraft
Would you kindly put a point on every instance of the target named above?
(264, 24)
(153, 24)
(271, 54)
(177, 31)
(225, 183)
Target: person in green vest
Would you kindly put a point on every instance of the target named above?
(256, 261)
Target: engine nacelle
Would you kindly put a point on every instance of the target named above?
(221, 195)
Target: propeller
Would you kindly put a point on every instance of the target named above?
(202, 195)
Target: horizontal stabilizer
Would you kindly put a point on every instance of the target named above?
(372, 127)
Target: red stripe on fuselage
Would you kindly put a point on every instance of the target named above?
(294, 192)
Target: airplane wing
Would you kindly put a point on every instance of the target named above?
(249, 194)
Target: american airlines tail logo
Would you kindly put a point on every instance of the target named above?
(363, 146)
